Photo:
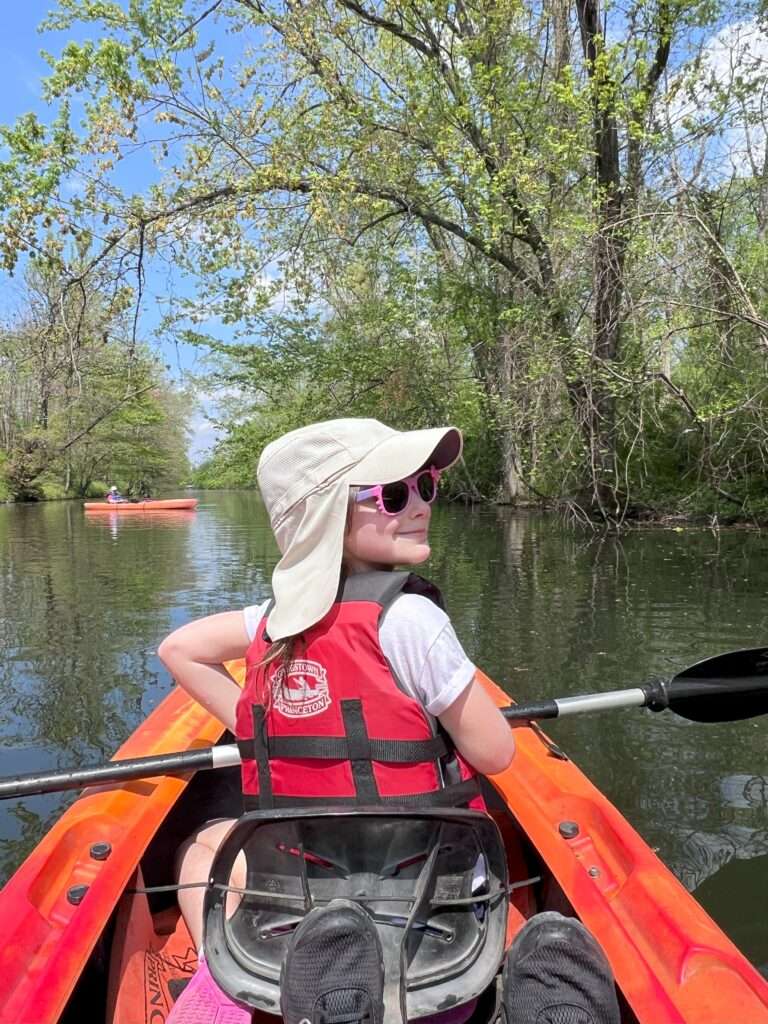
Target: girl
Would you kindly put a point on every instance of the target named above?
(347, 499)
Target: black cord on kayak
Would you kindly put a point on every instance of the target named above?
(177, 887)
(219, 886)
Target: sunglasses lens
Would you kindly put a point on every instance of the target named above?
(426, 485)
(394, 496)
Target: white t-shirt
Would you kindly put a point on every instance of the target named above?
(419, 642)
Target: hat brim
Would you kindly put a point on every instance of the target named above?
(407, 452)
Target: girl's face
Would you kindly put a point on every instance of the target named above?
(374, 540)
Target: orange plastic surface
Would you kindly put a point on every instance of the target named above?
(140, 506)
(46, 940)
(672, 962)
(149, 954)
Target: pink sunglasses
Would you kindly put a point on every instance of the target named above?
(394, 498)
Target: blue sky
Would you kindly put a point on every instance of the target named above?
(21, 67)
(21, 72)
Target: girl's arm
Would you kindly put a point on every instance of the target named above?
(482, 736)
(194, 654)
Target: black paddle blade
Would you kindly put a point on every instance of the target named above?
(727, 688)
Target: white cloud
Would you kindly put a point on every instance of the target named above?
(204, 436)
(73, 185)
(271, 285)
(725, 90)
(212, 397)
(213, 405)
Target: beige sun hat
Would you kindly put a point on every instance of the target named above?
(304, 477)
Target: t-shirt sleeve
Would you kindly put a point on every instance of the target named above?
(421, 645)
(253, 615)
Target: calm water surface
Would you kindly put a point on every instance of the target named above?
(85, 600)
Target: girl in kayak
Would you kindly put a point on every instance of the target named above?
(346, 652)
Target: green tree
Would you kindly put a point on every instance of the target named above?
(522, 157)
(81, 398)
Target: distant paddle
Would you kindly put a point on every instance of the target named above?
(726, 688)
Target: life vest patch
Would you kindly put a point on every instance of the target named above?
(302, 690)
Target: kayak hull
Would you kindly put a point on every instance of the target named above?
(43, 927)
(672, 963)
(168, 505)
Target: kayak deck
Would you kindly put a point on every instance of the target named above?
(169, 504)
(671, 961)
(48, 938)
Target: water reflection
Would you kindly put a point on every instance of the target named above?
(737, 897)
(745, 791)
(696, 856)
(737, 831)
(115, 521)
(546, 611)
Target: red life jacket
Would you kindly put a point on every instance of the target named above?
(338, 728)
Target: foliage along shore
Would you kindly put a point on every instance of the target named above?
(700, 511)
(84, 405)
(51, 489)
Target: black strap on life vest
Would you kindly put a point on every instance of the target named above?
(452, 796)
(338, 748)
(361, 751)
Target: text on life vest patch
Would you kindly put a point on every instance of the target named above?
(302, 690)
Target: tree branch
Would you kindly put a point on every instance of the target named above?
(103, 416)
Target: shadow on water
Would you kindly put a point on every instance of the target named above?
(737, 897)
(544, 610)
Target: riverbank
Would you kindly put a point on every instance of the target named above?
(633, 517)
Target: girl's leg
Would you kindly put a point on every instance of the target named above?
(202, 999)
(193, 864)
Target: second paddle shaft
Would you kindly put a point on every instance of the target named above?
(119, 771)
(636, 698)
(715, 698)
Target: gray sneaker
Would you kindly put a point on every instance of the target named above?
(333, 968)
(555, 973)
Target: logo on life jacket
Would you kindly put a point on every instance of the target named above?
(302, 690)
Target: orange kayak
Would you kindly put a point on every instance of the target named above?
(140, 506)
(82, 941)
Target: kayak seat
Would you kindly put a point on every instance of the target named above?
(433, 882)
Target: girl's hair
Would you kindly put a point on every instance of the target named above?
(284, 651)
(281, 652)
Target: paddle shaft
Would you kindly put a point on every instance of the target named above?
(657, 696)
(36, 783)
(120, 771)
(725, 688)
(575, 705)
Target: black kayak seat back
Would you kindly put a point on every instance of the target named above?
(433, 881)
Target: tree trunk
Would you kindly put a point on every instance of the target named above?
(597, 414)
(512, 486)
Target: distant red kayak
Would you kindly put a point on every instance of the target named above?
(140, 506)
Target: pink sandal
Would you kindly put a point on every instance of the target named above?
(203, 1002)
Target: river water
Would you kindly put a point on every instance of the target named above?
(547, 612)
